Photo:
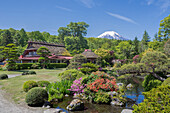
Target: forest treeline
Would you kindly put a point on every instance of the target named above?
(73, 37)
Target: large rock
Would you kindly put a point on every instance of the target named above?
(126, 111)
(129, 86)
(79, 96)
(75, 104)
(117, 102)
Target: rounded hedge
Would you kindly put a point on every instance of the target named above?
(3, 76)
(28, 73)
(36, 96)
(43, 83)
(32, 72)
(29, 84)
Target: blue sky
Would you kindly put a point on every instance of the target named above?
(129, 18)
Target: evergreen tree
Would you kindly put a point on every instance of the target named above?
(9, 53)
(145, 38)
(24, 37)
(144, 42)
(136, 45)
(44, 53)
(17, 38)
(6, 38)
(157, 38)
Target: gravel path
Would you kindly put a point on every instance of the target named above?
(10, 107)
(13, 75)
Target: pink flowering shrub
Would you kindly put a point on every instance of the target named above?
(77, 86)
(136, 59)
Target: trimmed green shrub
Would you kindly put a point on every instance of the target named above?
(25, 73)
(36, 96)
(43, 83)
(31, 72)
(166, 82)
(150, 82)
(37, 65)
(87, 68)
(71, 74)
(102, 97)
(3, 76)
(57, 65)
(24, 65)
(29, 84)
(73, 65)
(28, 73)
(156, 101)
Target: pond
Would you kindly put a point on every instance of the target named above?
(135, 94)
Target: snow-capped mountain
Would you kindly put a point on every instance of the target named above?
(111, 35)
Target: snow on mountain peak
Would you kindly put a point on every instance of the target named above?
(111, 35)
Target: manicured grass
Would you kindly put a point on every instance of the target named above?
(13, 86)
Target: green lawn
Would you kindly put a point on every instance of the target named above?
(13, 86)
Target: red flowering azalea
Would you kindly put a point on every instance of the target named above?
(102, 82)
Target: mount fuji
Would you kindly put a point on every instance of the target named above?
(111, 35)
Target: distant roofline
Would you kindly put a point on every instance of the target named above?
(45, 43)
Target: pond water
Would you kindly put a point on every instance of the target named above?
(135, 94)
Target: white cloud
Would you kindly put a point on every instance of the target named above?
(63, 8)
(122, 17)
(149, 2)
(162, 4)
(88, 3)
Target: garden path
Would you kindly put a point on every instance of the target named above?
(10, 107)
(13, 75)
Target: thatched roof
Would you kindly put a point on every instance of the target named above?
(53, 48)
(89, 54)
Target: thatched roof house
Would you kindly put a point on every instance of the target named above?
(58, 52)
(91, 56)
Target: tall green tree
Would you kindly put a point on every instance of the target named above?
(17, 39)
(75, 43)
(6, 38)
(157, 38)
(123, 50)
(9, 53)
(144, 43)
(24, 37)
(164, 30)
(62, 32)
(46, 36)
(36, 35)
(136, 45)
(74, 29)
(145, 38)
(78, 29)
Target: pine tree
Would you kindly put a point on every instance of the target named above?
(136, 44)
(9, 53)
(6, 38)
(157, 38)
(144, 42)
(145, 38)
